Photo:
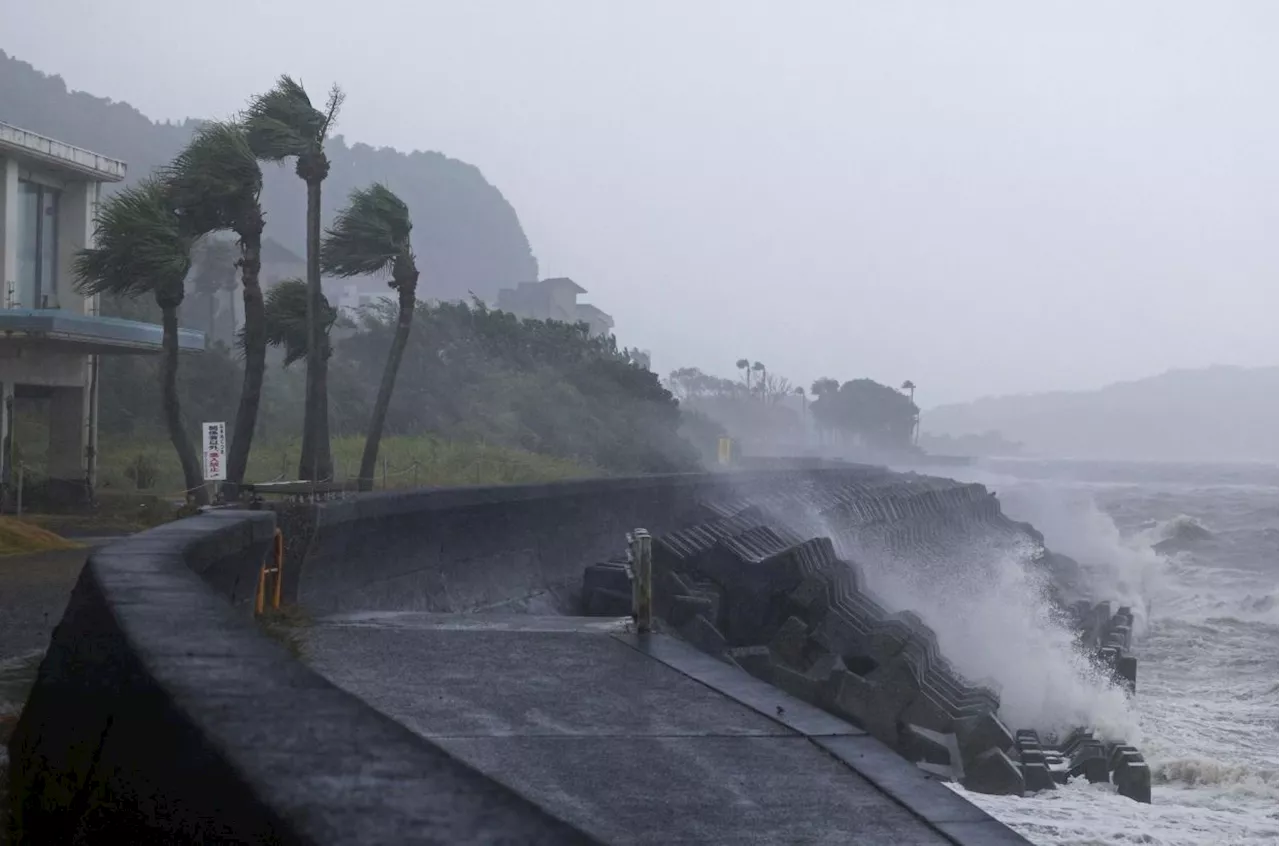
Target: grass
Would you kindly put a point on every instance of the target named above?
(403, 462)
(285, 626)
(18, 537)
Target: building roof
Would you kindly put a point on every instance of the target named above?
(588, 310)
(562, 282)
(65, 330)
(24, 144)
(276, 253)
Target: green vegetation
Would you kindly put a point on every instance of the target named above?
(371, 236)
(418, 460)
(143, 248)
(18, 537)
(286, 625)
(214, 185)
(282, 124)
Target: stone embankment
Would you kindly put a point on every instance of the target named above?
(772, 583)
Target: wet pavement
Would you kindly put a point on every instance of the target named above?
(636, 740)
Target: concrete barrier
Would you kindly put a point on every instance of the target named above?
(452, 549)
(160, 715)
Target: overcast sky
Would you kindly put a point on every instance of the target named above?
(984, 197)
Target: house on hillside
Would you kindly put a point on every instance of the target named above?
(215, 303)
(554, 299)
(279, 263)
(52, 337)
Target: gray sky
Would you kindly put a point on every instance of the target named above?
(984, 197)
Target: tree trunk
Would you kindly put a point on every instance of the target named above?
(369, 459)
(316, 462)
(255, 359)
(191, 471)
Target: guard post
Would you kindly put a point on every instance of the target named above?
(273, 572)
(640, 552)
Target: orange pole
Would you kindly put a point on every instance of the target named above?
(262, 590)
(279, 547)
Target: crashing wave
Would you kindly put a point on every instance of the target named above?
(1178, 534)
(759, 585)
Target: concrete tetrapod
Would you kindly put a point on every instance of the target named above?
(743, 585)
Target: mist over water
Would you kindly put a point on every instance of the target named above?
(1193, 549)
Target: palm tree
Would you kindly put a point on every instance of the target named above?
(215, 184)
(762, 378)
(745, 366)
(142, 248)
(910, 388)
(371, 235)
(824, 391)
(285, 323)
(283, 124)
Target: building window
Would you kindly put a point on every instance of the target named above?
(37, 247)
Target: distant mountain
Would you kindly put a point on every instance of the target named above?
(466, 234)
(1213, 414)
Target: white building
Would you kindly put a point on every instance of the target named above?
(554, 299)
(50, 336)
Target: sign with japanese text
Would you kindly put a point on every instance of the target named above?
(215, 452)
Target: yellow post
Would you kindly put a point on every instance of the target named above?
(724, 451)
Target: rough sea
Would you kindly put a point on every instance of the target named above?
(1193, 549)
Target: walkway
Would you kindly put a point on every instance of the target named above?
(638, 741)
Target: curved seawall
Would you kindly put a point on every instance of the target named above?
(161, 713)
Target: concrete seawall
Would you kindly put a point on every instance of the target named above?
(454, 549)
(160, 714)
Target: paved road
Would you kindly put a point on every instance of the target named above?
(34, 590)
(33, 594)
(637, 741)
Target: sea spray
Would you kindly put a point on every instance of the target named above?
(988, 601)
(989, 606)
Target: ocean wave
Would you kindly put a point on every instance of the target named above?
(1199, 772)
(1176, 534)
(1207, 688)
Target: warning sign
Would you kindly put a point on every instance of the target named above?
(215, 452)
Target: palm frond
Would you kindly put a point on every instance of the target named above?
(139, 246)
(215, 181)
(368, 235)
(331, 108)
(286, 323)
(282, 123)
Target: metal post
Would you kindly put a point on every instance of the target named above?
(21, 467)
(641, 544)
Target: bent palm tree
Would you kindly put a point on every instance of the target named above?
(371, 235)
(286, 320)
(215, 183)
(283, 124)
(141, 248)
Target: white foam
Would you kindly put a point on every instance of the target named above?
(1207, 691)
